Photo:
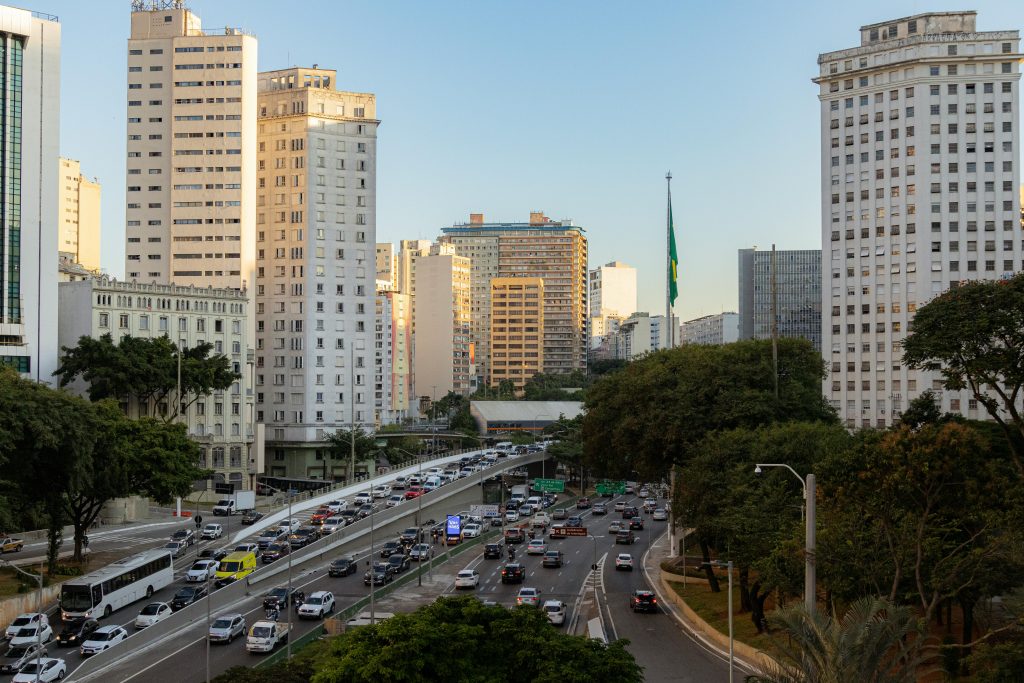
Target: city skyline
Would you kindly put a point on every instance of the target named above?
(445, 112)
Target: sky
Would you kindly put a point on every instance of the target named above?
(576, 108)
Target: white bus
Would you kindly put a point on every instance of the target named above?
(118, 584)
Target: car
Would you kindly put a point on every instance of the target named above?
(103, 638)
(253, 548)
(362, 498)
(541, 520)
(226, 627)
(300, 538)
(660, 515)
(399, 562)
(574, 522)
(414, 491)
(644, 492)
(636, 524)
(277, 598)
(471, 530)
(318, 517)
(620, 506)
(351, 516)
(15, 659)
(559, 513)
(555, 611)
(513, 572)
(514, 536)
(511, 515)
(399, 483)
(615, 527)
(552, 558)
(177, 548)
(420, 552)
(275, 551)
(187, 595)
(583, 503)
(467, 578)
(528, 596)
(395, 499)
(649, 505)
(390, 548)
(23, 620)
(332, 524)
(317, 605)
(251, 517)
(42, 670)
(343, 566)
(525, 510)
(410, 536)
(336, 506)
(212, 531)
(492, 551)
(201, 570)
(630, 488)
(269, 536)
(33, 633)
(630, 511)
(76, 632)
(536, 547)
(624, 561)
(382, 573)
(187, 536)
(643, 601)
(290, 525)
(215, 555)
(153, 613)
(365, 510)
(625, 537)
(599, 509)
(382, 491)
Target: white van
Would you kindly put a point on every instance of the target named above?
(505, 446)
(432, 483)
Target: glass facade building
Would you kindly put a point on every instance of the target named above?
(798, 282)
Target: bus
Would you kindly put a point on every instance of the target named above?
(118, 584)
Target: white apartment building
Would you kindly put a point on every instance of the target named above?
(919, 186)
(316, 273)
(442, 360)
(78, 235)
(637, 335)
(29, 150)
(191, 183)
(221, 423)
(720, 328)
(613, 290)
(392, 357)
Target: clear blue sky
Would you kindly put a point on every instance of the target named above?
(573, 107)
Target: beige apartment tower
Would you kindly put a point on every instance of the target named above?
(78, 233)
(387, 265)
(191, 183)
(517, 329)
(443, 355)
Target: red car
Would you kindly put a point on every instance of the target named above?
(413, 492)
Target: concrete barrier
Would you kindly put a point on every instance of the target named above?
(26, 602)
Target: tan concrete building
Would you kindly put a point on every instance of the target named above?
(387, 265)
(315, 276)
(517, 329)
(443, 351)
(392, 351)
(191, 183)
(78, 232)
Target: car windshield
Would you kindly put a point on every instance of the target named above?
(102, 635)
(221, 623)
(277, 593)
(174, 545)
(16, 652)
(342, 563)
(553, 608)
(315, 601)
(229, 566)
(151, 609)
(261, 631)
(185, 593)
(21, 621)
(25, 632)
(31, 668)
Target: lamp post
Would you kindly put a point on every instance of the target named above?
(39, 607)
(810, 492)
(209, 599)
(728, 565)
(288, 590)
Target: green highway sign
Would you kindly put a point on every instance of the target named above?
(549, 485)
(615, 487)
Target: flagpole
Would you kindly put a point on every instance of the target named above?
(670, 337)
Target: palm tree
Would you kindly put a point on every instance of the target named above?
(874, 642)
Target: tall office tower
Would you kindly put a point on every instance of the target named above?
(315, 276)
(517, 329)
(387, 264)
(797, 294)
(191, 184)
(720, 328)
(613, 290)
(29, 149)
(443, 355)
(553, 250)
(392, 357)
(78, 235)
(919, 174)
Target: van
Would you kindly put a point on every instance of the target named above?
(236, 566)
(504, 446)
(535, 501)
(432, 483)
(520, 493)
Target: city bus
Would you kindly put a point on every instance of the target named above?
(118, 584)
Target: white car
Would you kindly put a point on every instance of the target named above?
(201, 571)
(511, 516)
(382, 491)
(620, 506)
(336, 505)
(102, 639)
(363, 498)
(399, 483)
(528, 596)
(471, 530)
(536, 547)
(332, 524)
(212, 531)
(226, 627)
(467, 578)
(555, 609)
(49, 669)
(317, 605)
(247, 548)
(624, 561)
(290, 524)
(153, 613)
(434, 472)
(395, 500)
(27, 635)
(23, 620)
(660, 515)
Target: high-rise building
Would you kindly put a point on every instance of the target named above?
(797, 294)
(191, 183)
(517, 329)
(613, 290)
(408, 252)
(78, 234)
(315, 280)
(553, 250)
(443, 352)
(720, 328)
(393, 357)
(387, 265)
(29, 150)
(638, 334)
(919, 185)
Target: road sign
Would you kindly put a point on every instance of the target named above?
(611, 487)
(484, 511)
(561, 532)
(549, 485)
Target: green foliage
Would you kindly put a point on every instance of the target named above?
(552, 387)
(998, 662)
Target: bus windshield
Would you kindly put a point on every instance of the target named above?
(75, 598)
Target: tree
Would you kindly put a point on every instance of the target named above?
(874, 641)
(974, 336)
(339, 447)
(146, 370)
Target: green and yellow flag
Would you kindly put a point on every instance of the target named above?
(673, 260)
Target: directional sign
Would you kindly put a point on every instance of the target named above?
(549, 485)
(608, 487)
(484, 511)
(561, 532)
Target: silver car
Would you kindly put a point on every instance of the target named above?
(227, 627)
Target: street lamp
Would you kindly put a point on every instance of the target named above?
(39, 607)
(719, 563)
(288, 590)
(810, 492)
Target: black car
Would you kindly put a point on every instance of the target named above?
(575, 522)
(278, 598)
(77, 632)
(211, 554)
(643, 601)
(187, 595)
(251, 517)
(390, 548)
(301, 538)
(492, 551)
(637, 523)
(382, 573)
(343, 566)
(365, 510)
(399, 562)
(629, 512)
(409, 536)
(513, 573)
(275, 551)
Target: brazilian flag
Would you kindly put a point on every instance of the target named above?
(673, 261)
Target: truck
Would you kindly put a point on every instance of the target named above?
(10, 545)
(239, 501)
(264, 636)
(520, 493)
